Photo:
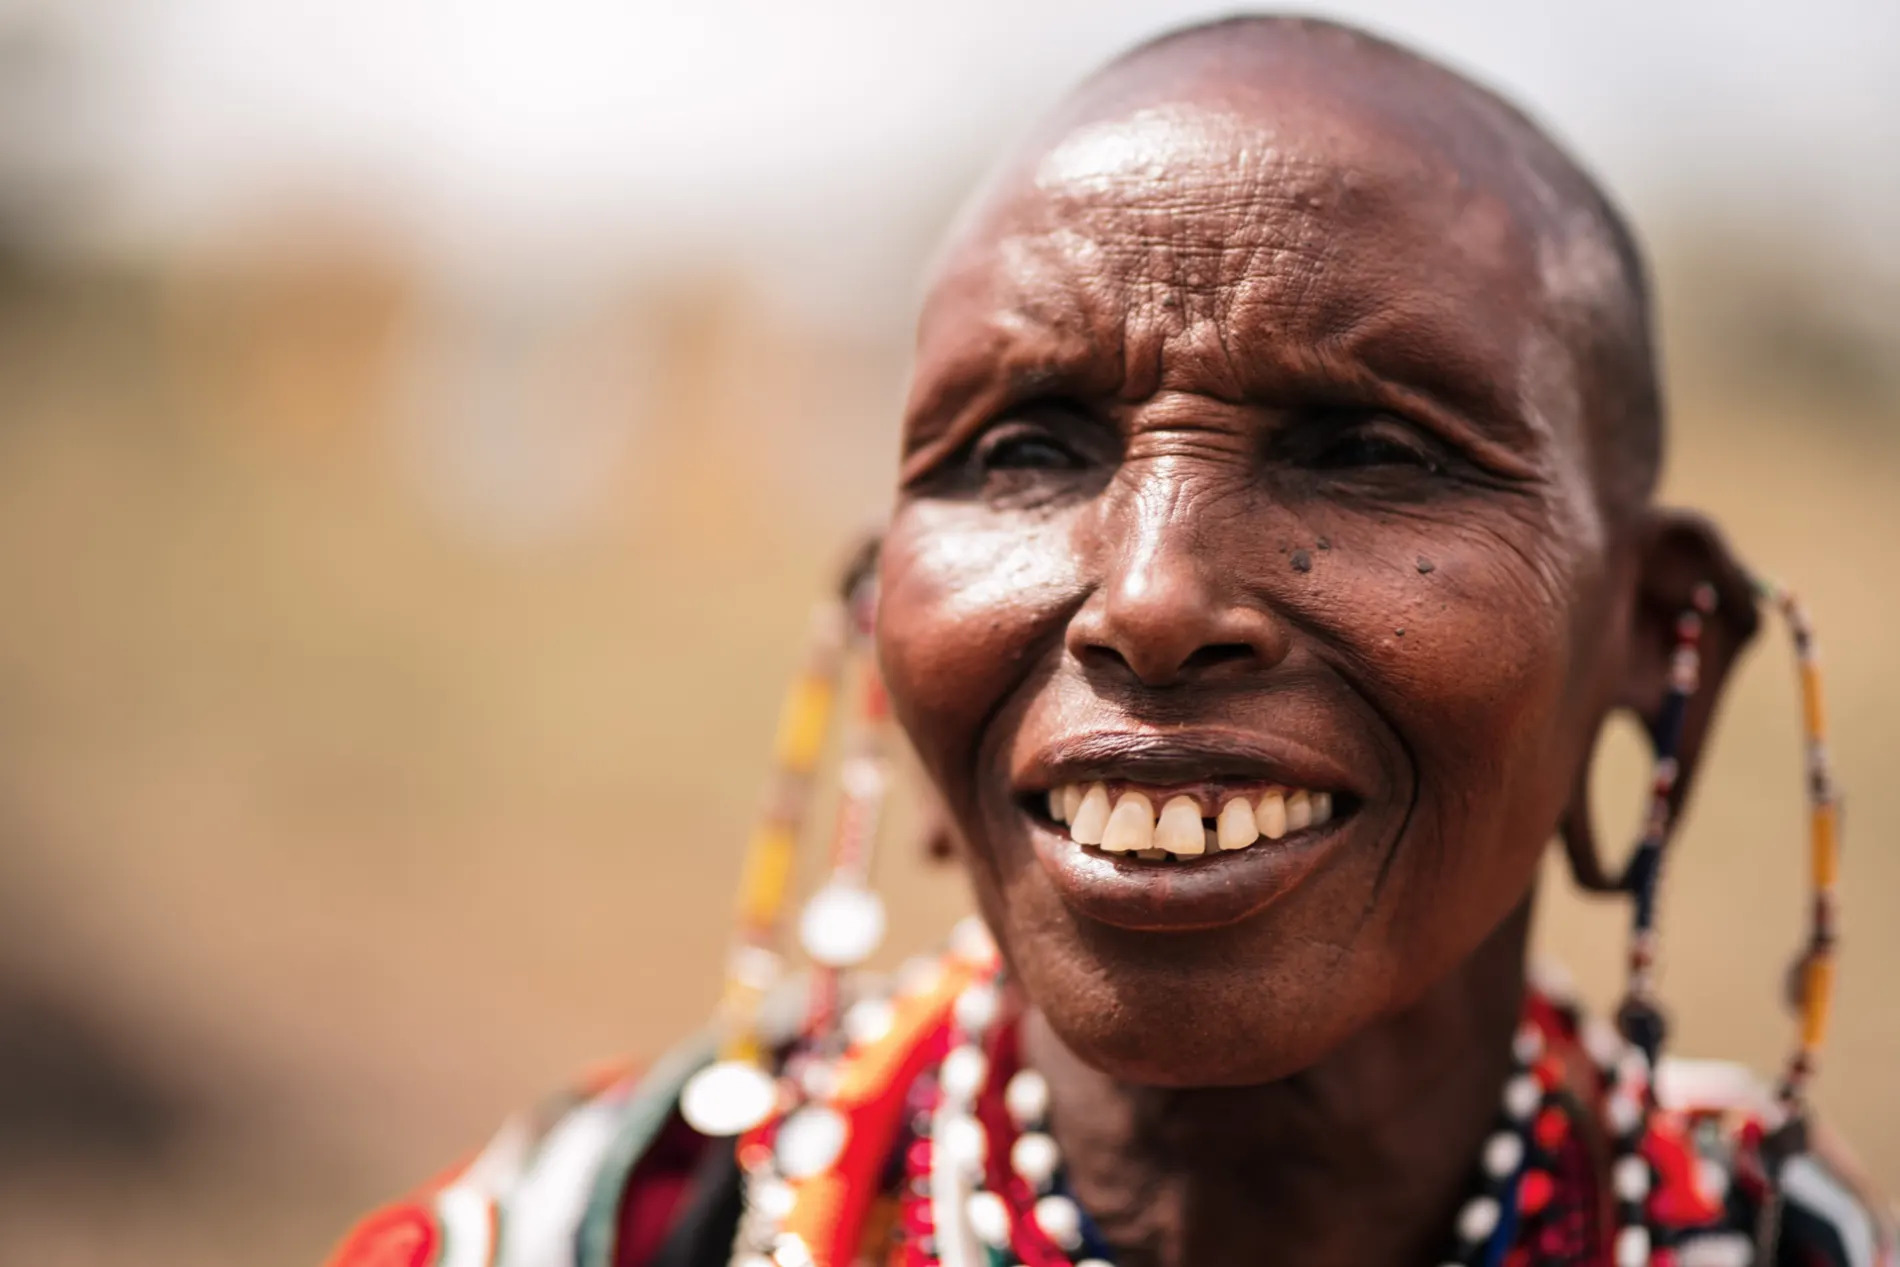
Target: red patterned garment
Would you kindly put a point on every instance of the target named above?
(611, 1175)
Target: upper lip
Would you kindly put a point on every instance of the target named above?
(1173, 757)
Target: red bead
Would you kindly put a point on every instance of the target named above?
(1551, 1128)
(1534, 1191)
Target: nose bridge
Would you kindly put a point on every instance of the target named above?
(1165, 600)
(1153, 563)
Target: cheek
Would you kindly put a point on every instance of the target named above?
(967, 599)
(1480, 663)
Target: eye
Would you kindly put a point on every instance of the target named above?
(1024, 447)
(1356, 444)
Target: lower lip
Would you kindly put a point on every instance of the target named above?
(1209, 891)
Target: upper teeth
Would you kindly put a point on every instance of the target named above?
(1130, 825)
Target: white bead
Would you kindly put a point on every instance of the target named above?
(861, 778)
(790, 1250)
(1632, 1247)
(754, 967)
(1720, 1250)
(1035, 1157)
(1630, 1177)
(962, 1074)
(772, 1199)
(818, 1079)
(1603, 1043)
(1060, 1220)
(869, 1020)
(1632, 1072)
(728, 1098)
(1712, 1179)
(975, 1008)
(917, 975)
(1478, 1219)
(1502, 1153)
(1553, 981)
(1522, 1096)
(965, 1145)
(809, 1141)
(1027, 1098)
(1527, 1044)
(753, 1260)
(989, 1219)
(1623, 1113)
(1094, 1262)
(970, 940)
(842, 925)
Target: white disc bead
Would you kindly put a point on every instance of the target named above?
(1630, 1177)
(975, 1008)
(809, 1141)
(1632, 1247)
(964, 1145)
(989, 1219)
(1502, 1153)
(1060, 1220)
(869, 1020)
(1624, 1114)
(962, 1073)
(1522, 1096)
(728, 1098)
(1035, 1157)
(842, 924)
(1478, 1219)
(1027, 1098)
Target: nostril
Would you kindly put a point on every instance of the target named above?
(1102, 656)
(1217, 653)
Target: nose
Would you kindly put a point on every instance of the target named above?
(1169, 607)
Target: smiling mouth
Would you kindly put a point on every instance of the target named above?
(1119, 819)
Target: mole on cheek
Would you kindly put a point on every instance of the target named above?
(1426, 566)
(1302, 561)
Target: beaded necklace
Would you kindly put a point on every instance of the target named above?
(983, 1183)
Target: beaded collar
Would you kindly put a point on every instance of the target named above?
(923, 1142)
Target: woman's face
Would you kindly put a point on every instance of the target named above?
(1236, 465)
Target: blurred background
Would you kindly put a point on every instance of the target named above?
(424, 422)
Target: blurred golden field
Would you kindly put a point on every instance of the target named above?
(363, 775)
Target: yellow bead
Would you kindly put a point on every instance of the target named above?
(801, 732)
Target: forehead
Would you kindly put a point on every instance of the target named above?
(1223, 247)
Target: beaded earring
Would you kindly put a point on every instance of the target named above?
(844, 921)
(1811, 981)
(1639, 1016)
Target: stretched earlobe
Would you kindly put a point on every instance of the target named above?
(1679, 554)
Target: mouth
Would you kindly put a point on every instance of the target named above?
(1153, 834)
(1194, 822)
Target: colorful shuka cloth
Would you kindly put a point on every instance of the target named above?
(610, 1175)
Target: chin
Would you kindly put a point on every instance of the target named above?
(1186, 1012)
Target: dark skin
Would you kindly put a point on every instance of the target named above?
(1269, 425)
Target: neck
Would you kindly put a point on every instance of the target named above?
(1362, 1159)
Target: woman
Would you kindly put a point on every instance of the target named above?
(1274, 537)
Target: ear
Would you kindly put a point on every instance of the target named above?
(1677, 552)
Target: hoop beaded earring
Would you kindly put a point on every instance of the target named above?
(1639, 1016)
(1811, 980)
(736, 1091)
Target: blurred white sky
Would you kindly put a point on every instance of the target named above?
(656, 128)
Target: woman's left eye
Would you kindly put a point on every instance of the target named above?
(1373, 444)
(1025, 449)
